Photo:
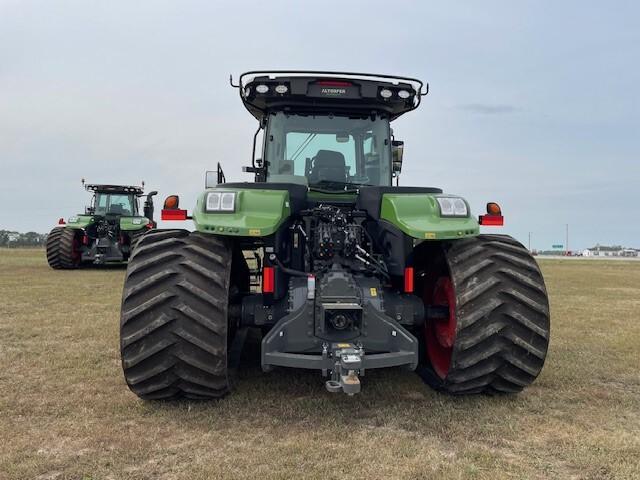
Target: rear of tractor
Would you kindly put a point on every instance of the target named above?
(340, 271)
(107, 232)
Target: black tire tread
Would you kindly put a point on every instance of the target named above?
(173, 327)
(60, 248)
(135, 237)
(502, 312)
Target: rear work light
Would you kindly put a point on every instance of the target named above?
(451, 206)
(221, 202)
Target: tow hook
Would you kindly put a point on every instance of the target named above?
(347, 365)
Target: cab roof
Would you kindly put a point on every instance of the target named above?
(263, 92)
(92, 187)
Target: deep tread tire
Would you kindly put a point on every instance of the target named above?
(502, 313)
(61, 249)
(173, 327)
(135, 238)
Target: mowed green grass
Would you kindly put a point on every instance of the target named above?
(65, 411)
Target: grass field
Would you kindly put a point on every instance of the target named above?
(65, 411)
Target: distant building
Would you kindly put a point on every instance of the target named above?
(606, 251)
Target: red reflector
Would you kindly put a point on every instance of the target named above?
(491, 220)
(85, 239)
(268, 280)
(61, 221)
(173, 214)
(408, 280)
(333, 83)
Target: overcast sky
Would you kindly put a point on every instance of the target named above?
(532, 104)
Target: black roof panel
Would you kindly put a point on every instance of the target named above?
(328, 92)
(114, 188)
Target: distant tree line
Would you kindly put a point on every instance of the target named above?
(16, 239)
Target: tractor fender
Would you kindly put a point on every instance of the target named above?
(79, 222)
(257, 212)
(418, 216)
(133, 223)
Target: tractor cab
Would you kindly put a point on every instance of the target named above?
(328, 131)
(114, 203)
(119, 201)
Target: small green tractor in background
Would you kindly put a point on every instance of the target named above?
(106, 232)
(339, 270)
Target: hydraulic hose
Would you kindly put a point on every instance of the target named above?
(288, 271)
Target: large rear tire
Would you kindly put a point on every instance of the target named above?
(173, 328)
(134, 239)
(496, 335)
(63, 248)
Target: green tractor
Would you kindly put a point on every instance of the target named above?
(106, 232)
(338, 269)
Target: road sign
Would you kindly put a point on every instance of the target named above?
(557, 246)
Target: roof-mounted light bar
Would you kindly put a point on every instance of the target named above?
(265, 91)
(248, 77)
(113, 188)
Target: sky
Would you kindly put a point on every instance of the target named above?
(533, 104)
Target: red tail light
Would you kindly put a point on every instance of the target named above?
(491, 220)
(333, 83)
(408, 280)
(173, 214)
(85, 239)
(268, 280)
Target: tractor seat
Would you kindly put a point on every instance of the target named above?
(328, 165)
(117, 209)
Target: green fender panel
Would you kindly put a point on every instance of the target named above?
(258, 213)
(126, 223)
(79, 221)
(418, 215)
(133, 223)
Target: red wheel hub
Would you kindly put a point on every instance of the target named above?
(440, 333)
